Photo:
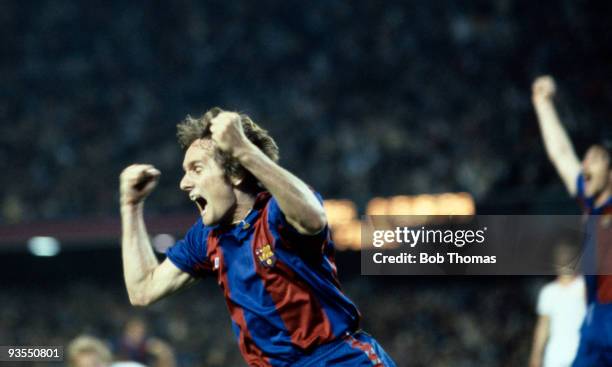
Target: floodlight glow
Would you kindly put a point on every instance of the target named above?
(43, 246)
(163, 242)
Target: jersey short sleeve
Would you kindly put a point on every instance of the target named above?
(545, 301)
(289, 236)
(189, 253)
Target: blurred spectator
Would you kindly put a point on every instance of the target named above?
(87, 351)
(135, 345)
(561, 309)
(132, 344)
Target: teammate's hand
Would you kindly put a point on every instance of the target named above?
(227, 132)
(543, 88)
(136, 182)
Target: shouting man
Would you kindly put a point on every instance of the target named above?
(263, 234)
(590, 181)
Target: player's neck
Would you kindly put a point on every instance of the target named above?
(604, 195)
(565, 279)
(244, 204)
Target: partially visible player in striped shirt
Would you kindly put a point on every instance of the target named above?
(262, 235)
(590, 181)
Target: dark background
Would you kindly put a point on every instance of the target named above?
(365, 98)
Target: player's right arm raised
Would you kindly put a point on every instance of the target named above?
(558, 144)
(146, 279)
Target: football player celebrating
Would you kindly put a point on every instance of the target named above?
(590, 181)
(262, 234)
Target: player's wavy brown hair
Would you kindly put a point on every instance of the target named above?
(192, 129)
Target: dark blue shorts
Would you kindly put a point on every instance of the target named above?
(359, 349)
(595, 347)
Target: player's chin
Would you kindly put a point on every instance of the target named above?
(591, 190)
(206, 219)
(209, 218)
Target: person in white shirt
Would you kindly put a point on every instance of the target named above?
(89, 351)
(561, 308)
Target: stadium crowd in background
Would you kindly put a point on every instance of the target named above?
(390, 104)
(421, 322)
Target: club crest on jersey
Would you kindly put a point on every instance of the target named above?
(266, 255)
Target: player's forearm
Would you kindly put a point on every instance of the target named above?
(297, 202)
(535, 358)
(556, 140)
(139, 261)
(539, 342)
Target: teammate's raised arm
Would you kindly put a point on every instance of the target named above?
(558, 144)
(297, 202)
(145, 279)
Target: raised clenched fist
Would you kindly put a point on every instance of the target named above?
(227, 133)
(136, 182)
(543, 88)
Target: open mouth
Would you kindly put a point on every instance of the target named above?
(200, 203)
(587, 177)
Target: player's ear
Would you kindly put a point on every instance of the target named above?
(245, 181)
(236, 180)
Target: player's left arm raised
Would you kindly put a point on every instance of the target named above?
(298, 203)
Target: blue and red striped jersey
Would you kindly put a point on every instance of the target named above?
(281, 287)
(598, 245)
